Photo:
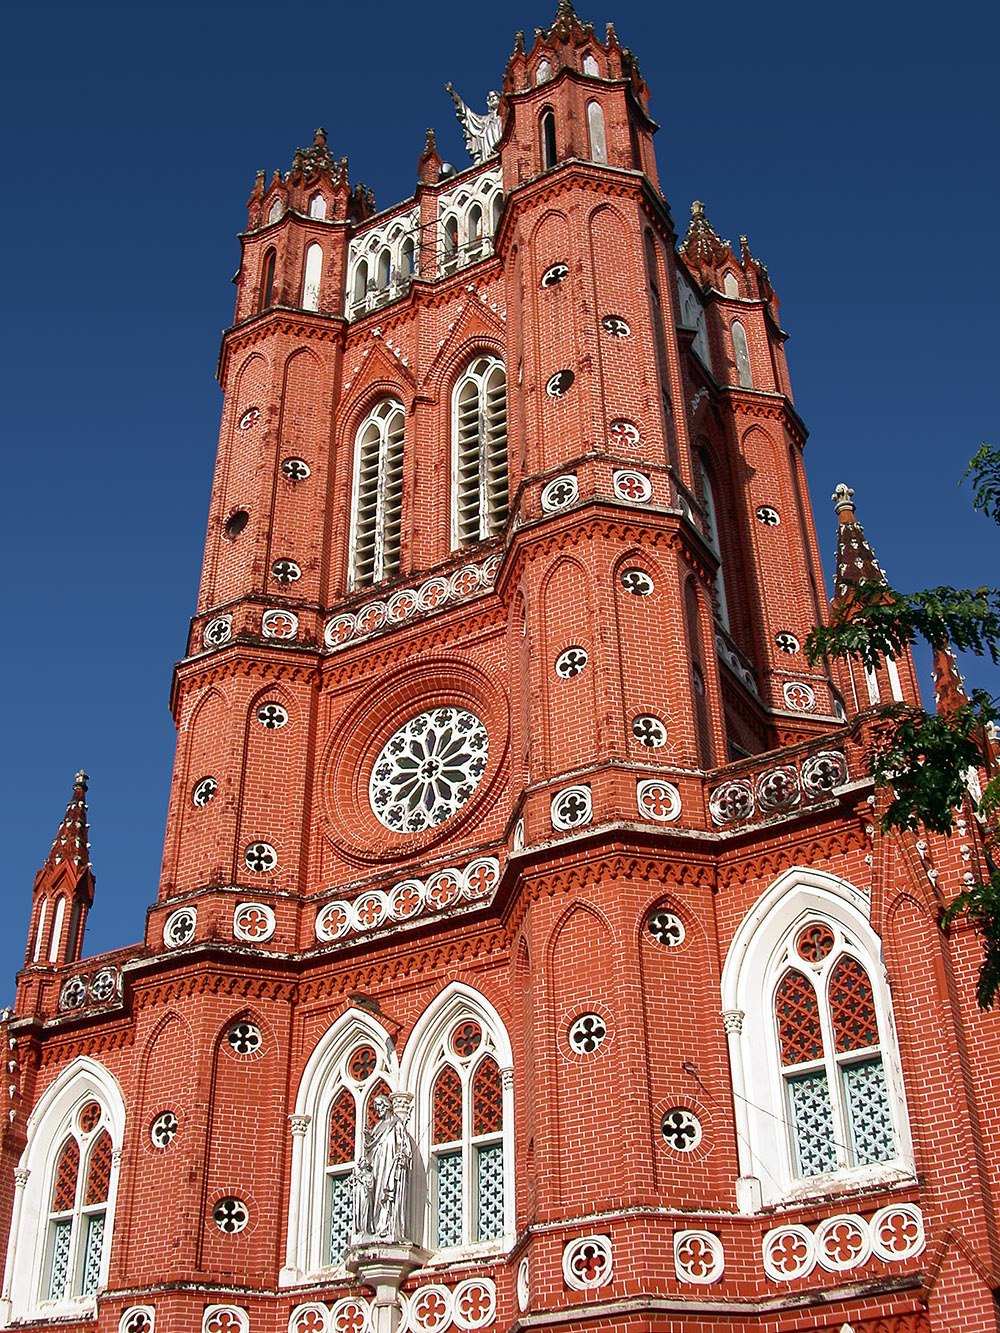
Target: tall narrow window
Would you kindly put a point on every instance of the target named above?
(407, 256)
(475, 227)
(703, 728)
(78, 1208)
(479, 430)
(311, 278)
(378, 495)
(467, 1147)
(341, 1153)
(712, 533)
(267, 281)
(595, 127)
(57, 925)
(384, 263)
(449, 243)
(360, 283)
(831, 1061)
(742, 355)
(548, 133)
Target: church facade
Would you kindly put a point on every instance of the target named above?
(527, 953)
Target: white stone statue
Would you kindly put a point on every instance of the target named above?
(482, 133)
(381, 1179)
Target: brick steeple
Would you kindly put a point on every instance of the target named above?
(64, 888)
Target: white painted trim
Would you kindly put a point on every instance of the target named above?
(48, 1126)
(757, 957)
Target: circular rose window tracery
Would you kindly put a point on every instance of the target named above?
(428, 769)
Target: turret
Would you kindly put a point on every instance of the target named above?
(894, 680)
(64, 889)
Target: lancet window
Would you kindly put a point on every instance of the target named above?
(378, 495)
(712, 533)
(479, 431)
(78, 1207)
(741, 354)
(815, 1070)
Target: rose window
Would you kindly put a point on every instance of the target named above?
(295, 469)
(768, 516)
(666, 928)
(560, 383)
(163, 1129)
(428, 769)
(230, 1215)
(271, 716)
(571, 662)
(244, 1038)
(286, 571)
(616, 326)
(586, 1033)
(681, 1130)
(649, 731)
(554, 275)
(204, 791)
(637, 582)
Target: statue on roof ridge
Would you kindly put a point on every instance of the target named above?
(482, 133)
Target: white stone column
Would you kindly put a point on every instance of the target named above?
(21, 1175)
(747, 1186)
(298, 1194)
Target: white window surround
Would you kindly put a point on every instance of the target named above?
(479, 496)
(420, 1065)
(754, 965)
(693, 317)
(81, 1081)
(312, 274)
(322, 1080)
(741, 354)
(712, 532)
(416, 1072)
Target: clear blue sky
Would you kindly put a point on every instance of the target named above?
(855, 145)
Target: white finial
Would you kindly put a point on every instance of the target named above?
(843, 498)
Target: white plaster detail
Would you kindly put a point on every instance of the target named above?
(698, 1257)
(897, 1231)
(225, 1319)
(632, 486)
(253, 922)
(798, 695)
(587, 1262)
(559, 492)
(407, 899)
(658, 800)
(523, 1285)
(381, 262)
(179, 927)
(218, 631)
(279, 624)
(788, 1252)
(572, 807)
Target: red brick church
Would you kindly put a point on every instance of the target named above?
(508, 814)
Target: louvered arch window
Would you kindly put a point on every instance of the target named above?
(838, 1106)
(479, 432)
(378, 495)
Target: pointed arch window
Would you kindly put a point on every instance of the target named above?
(317, 207)
(595, 128)
(479, 430)
(267, 280)
(816, 1079)
(712, 533)
(79, 1206)
(547, 127)
(311, 277)
(742, 355)
(378, 495)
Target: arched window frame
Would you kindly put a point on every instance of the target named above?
(317, 207)
(479, 497)
(376, 505)
(427, 1052)
(326, 1075)
(547, 138)
(596, 132)
(312, 274)
(755, 964)
(712, 533)
(266, 295)
(29, 1250)
(741, 355)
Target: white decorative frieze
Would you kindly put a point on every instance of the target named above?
(778, 789)
(843, 1242)
(409, 603)
(468, 214)
(381, 262)
(407, 899)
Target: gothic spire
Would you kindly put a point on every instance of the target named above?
(71, 846)
(856, 561)
(949, 687)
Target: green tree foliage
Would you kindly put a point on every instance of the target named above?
(922, 758)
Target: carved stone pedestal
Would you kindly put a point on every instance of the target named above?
(384, 1267)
